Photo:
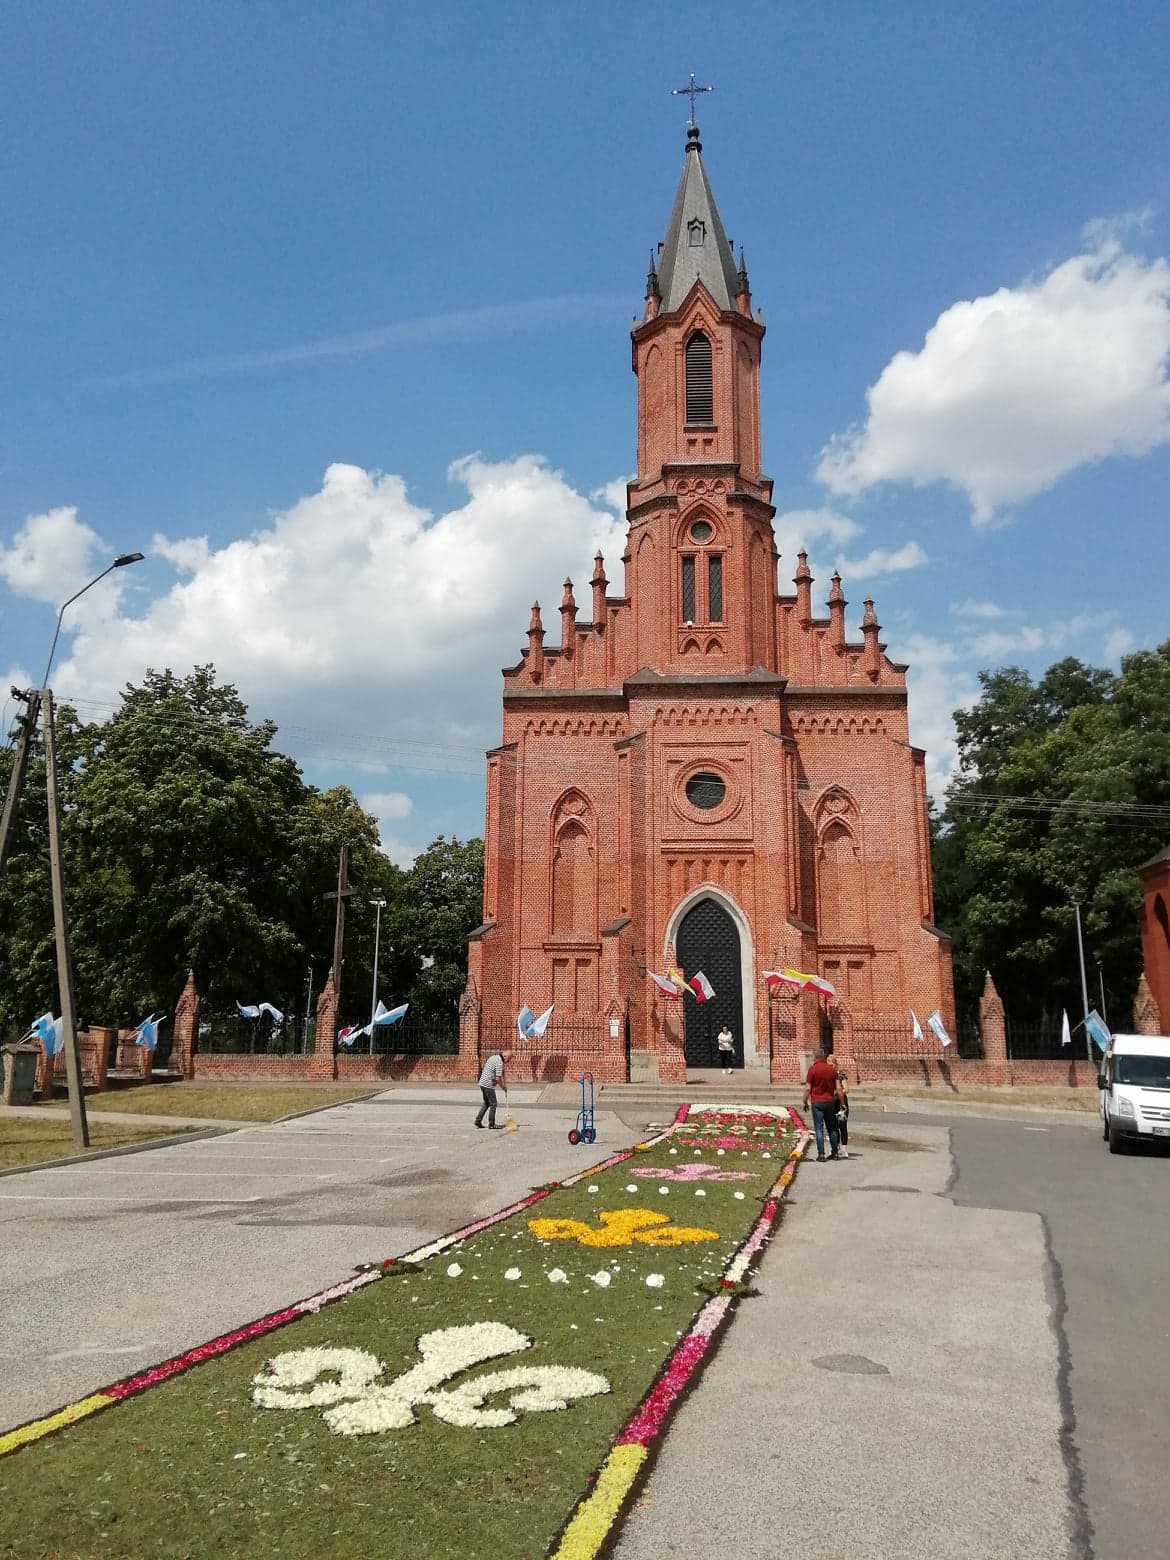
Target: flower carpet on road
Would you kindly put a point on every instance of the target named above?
(494, 1392)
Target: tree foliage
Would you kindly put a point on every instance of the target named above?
(1063, 790)
(190, 842)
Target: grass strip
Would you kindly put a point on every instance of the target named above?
(398, 1441)
(26, 1141)
(223, 1102)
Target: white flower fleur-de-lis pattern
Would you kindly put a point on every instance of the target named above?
(348, 1384)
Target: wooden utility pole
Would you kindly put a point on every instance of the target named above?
(341, 894)
(61, 928)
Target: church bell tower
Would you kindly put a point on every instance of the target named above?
(701, 555)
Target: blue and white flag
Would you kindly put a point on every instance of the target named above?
(1065, 1031)
(939, 1028)
(49, 1031)
(1098, 1031)
(148, 1032)
(384, 1015)
(253, 1010)
(915, 1026)
(531, 1027)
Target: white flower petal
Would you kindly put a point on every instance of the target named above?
(454, 1270)
(631, 1187)
(663, 1190)
(601, 1278)
(739, 1197)
(557, 1276)
(592, 1188)
(654, 1280)
(512, 1274)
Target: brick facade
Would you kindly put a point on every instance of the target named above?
(817, 848)
(1155, 930)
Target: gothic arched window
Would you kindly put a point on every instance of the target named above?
(699, 392)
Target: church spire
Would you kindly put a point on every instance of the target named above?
(696, 248)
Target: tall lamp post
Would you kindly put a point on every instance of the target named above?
(42, 699)
(379, 905)
(1078, 897)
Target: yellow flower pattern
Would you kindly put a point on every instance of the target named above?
(621, 1227)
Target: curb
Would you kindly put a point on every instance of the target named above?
(169, 1141)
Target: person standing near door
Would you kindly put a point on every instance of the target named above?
(726, 1043)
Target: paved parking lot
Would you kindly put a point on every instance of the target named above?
(112, 1265)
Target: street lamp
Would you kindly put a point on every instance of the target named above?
(1078, 897)
(34, 700)
(380, 905)
(119, 562)
(38, 698)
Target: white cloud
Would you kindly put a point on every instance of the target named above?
(1120, 642)
(978, 609)
(51, 556)
(830, 532)
(387, 805)
(455, 325)
(1011, 392)
(995, 644)
(940, 680)
(883, 560)
(188, 555)
(357, 612)
(797, 528)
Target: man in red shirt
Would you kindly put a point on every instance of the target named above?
(820, 1087)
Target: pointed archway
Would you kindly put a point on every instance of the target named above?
(708, 939)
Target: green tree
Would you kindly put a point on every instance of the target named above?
(443, 902)
(1063, 789)
(189, 843)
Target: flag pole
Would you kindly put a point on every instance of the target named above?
(1077, 897)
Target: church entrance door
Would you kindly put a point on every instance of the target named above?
(708, 940)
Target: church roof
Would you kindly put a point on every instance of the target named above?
(696, 248)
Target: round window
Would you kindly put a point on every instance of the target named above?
(705, 790)
(701, 531)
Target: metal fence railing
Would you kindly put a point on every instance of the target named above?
(874, 1043)
(1039, 1042)
(228, 1033)
(568, 1047)
(419, 1034)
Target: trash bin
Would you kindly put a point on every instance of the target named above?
(20, 1073)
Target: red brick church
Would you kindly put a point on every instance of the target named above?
(706, 774)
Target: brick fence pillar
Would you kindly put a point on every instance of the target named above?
(186, 1029)
(993, 1032)
(323, 1063)
(786, 1039)
(1146, 1018)
(470, 1012)
(104, 1041)
(672, 1058)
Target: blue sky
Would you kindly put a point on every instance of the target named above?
(326, 310)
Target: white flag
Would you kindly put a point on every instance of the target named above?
(1065, 1031)
(915, 1026)
(939, 1028)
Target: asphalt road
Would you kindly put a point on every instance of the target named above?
(1106, 1221)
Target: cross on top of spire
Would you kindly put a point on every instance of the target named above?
(691, 90)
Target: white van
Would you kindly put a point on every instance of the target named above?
(1135, 1090)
